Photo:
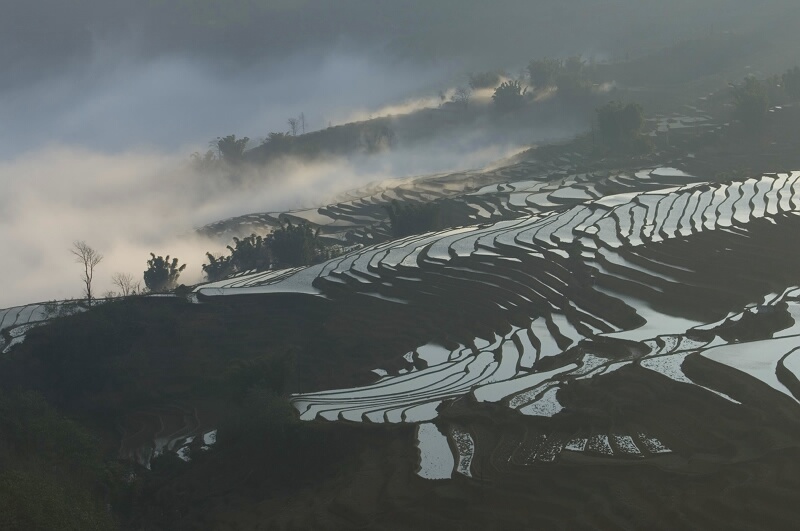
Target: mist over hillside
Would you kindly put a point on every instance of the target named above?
(104, 73)
(116, 86)
(110, 74)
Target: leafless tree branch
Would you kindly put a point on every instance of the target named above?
(89, 259)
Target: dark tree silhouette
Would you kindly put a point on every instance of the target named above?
(509, 96)
(620, 125)
(287, 246)
(218, 267)
(293, 125)
(751, 103)
(462, 96)
(126, 284)
(412, 218)
(203, 162)
(791, 83)
(231, 149)
(543, 72)
(279, 141)
(87, 257)
(162, 274)
(294, 245)
(251, 252)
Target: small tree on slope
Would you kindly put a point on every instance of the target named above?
(89, 259)
(162, 274)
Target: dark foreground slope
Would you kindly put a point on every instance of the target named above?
(134, 373)
(735, 467)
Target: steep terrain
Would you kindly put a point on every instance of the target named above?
(586, 341)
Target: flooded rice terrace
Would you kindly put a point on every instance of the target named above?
(573, 283)
(593, 283)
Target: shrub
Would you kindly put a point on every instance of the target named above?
(543, 72)
(218, 267)
(231, 149)
(248, 253)
(509, 96)
(791, 83)
(161, 274)
(294, 245)
(410, 218)
(620, 126)
(751, 103)
(287, 246)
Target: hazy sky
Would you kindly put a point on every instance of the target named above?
(115, 74)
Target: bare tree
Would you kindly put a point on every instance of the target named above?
(462, 96)
(88, 258)
(126, 284)
(293, 125)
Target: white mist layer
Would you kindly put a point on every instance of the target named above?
(128, 205)
(100, 154)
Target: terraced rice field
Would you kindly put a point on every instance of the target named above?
(512, 189)
(571, 317)
(602, 279)
(15, 322)
(178, 428)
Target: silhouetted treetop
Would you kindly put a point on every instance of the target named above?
(751, 103)
(543, 72)
(231, 149)
(289, 245)
(161, 273)
(510, 95)
(791, 83)
(620, 126)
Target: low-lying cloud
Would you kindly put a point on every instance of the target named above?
(101, 155)
(128, 205)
